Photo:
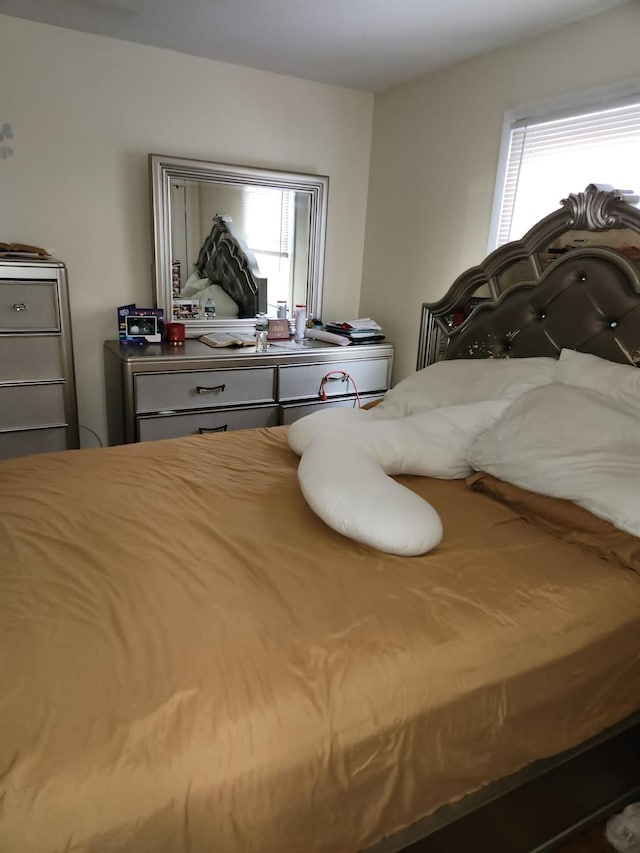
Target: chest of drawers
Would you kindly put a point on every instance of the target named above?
(38, 411)
(160, 391)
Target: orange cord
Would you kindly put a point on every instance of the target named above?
(346, 376)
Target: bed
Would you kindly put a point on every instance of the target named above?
(192, 660)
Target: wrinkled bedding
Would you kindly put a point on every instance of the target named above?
(564, 519)
(190, 660)
(425, 425)
(565, 429)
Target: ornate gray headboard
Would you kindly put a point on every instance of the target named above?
(573, 281)
(225, 259)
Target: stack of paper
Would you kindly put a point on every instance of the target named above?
(361, 331)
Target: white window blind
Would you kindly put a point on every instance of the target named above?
(550, 157)
(265, 216)
(268, 229)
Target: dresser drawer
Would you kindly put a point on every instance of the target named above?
(29, 306)
(27, 358)
(294, 411)
(203, 389)
(31, 405)
(23, 442)
(175, 426)
(298, 382)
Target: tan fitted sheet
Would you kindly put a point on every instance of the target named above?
(191, 661)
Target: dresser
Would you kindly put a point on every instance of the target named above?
(38, 409)
(163, 391)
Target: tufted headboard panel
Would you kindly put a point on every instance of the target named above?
(589, 301)
(225, 259)
(584, 297)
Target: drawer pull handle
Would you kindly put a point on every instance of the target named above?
(215, 389)
(339, 376)
(204, 430)
(19, 306)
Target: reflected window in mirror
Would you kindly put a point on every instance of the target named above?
(270, 234)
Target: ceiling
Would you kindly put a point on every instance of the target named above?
(362, 44)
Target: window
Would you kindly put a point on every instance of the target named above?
(552, 155)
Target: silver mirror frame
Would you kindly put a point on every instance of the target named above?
(164, 169)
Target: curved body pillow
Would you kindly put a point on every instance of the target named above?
(303, 432)
(345, 476)
(355, 497)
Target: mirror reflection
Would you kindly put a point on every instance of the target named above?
(270, 226)
(518, 272)
(232, 241)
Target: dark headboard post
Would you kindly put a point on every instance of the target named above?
(537, 295)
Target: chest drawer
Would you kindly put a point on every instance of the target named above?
(175, 426)
(31, 405)
(302, 381)
(29, 306)
(203, 389)
(27, 358)
(27, 441)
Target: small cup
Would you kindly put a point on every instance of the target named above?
(174, 333)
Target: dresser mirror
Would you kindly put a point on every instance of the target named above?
(232, 241)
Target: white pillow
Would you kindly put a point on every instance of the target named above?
(569, 443)
(202, 289)
(322, 423)
(432, 444)
(450, 383)
(423, 426)
(193, 285)
(352, 495)
(225, 305)
(343, 475)
(619, 382)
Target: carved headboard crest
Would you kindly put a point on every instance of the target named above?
(597, 208)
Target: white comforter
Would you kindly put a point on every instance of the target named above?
(567, 428)
(426, 425)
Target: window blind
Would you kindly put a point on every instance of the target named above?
(266, 219)
(551, 157)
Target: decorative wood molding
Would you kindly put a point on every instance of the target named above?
(598, 207)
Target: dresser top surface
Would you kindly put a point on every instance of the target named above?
(279, 352)
(26, 263)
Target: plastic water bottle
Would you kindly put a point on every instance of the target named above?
(209, 309)
(262, 333)
(300, 322)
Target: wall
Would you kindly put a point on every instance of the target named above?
(435, 150)
(86, 111)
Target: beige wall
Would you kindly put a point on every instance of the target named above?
(86, 111)
(435, 150)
